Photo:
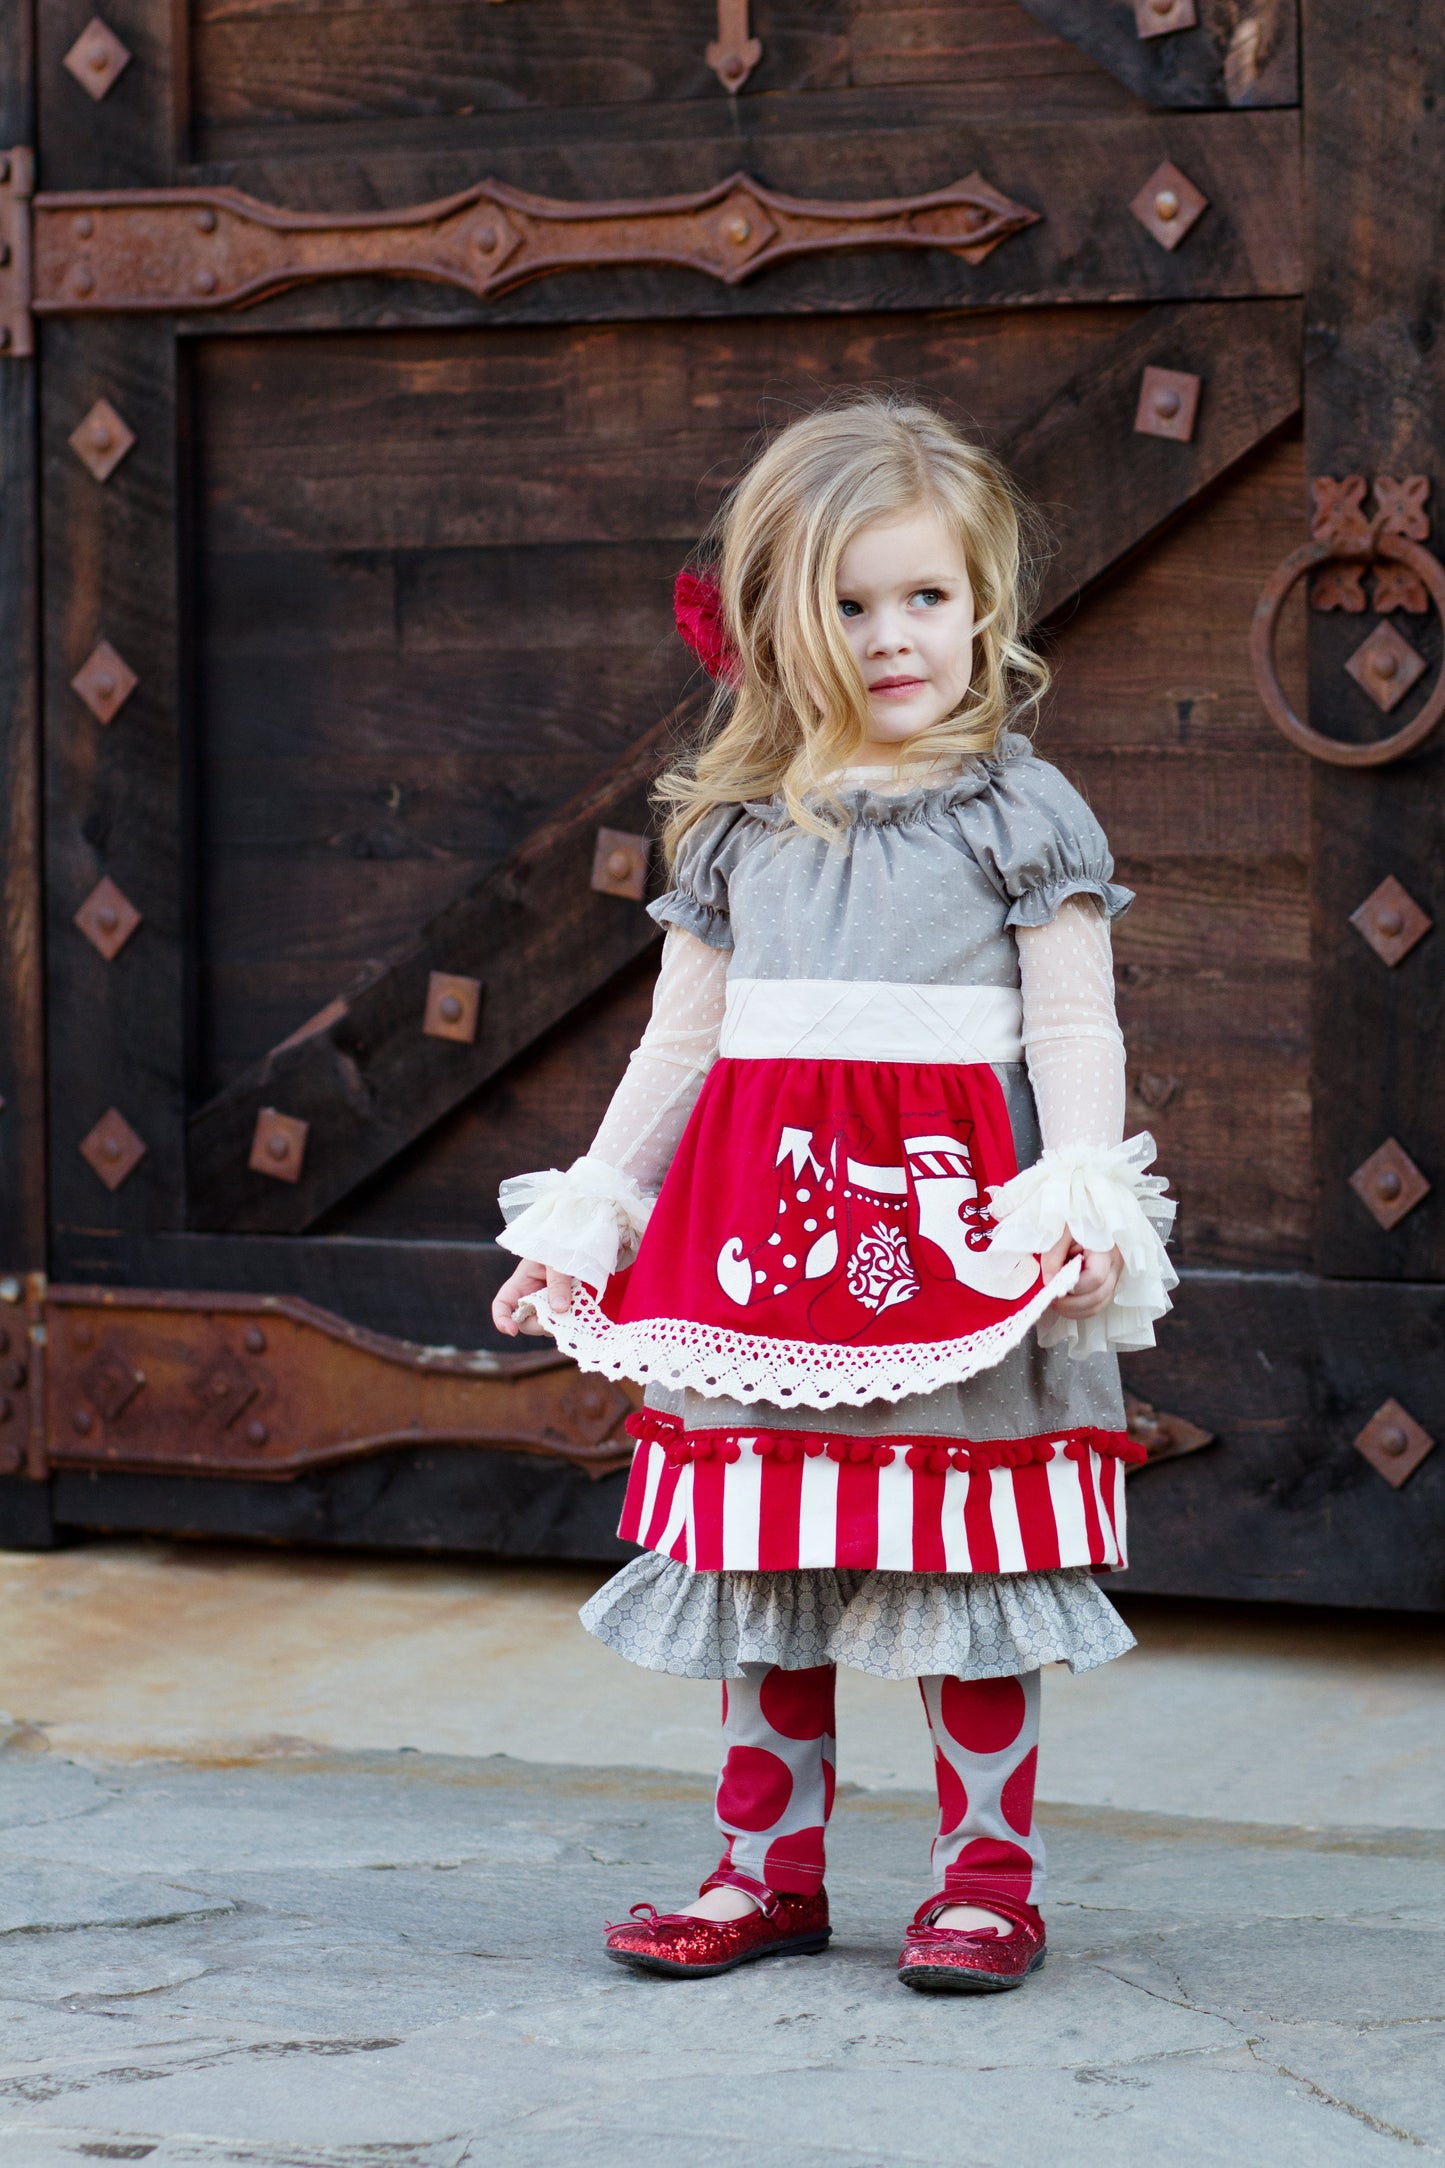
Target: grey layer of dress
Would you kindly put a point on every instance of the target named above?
(925, 888)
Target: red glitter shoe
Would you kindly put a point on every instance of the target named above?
(676, 1942)
(971, 1960)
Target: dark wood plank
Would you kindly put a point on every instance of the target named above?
(369, 1084)
(1080, 175)
(131, 138)
(273, 62)
(535, 932)
(22, 1035)
(1235, 55)
(1376, 406)
(116, 1031)
(1107, 489)
(438, 1293)
(1287, 1370)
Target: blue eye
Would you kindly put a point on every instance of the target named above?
(929, 595)
(851, 609)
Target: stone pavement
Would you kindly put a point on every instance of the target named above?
(265, 1952)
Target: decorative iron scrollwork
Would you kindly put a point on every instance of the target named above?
(1347, 542)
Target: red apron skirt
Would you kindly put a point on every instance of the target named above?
(822, 1239)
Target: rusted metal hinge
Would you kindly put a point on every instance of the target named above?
(17, 186)
(266, 1386)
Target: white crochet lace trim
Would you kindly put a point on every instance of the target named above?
(715, 1361)
(587, 1222)
(1102, 1195)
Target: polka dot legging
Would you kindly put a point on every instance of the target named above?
(775, 1792)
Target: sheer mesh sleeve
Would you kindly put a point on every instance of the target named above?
(1088, 1181)
(641, 1128)
(1072, 1041)
(589, 1221)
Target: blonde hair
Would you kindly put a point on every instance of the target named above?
(799, 710)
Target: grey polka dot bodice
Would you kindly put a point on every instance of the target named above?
(921, 889)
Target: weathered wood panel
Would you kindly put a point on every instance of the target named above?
(112, 551)
(22, 1034)
(275, 63)
(1287, 1370)
(1377, 406)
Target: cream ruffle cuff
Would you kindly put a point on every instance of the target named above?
(587, 1222)
(1102, 1195)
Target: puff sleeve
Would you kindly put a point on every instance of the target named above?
(1037, 840)
(697, 902)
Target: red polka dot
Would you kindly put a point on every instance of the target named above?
(992, 1855)
(725, 1700)
(1017, 1796)
(983, 1715)
(754, 1789)
(799, 1704)
(952, 1798)
(795, 1863)
(830, 1785)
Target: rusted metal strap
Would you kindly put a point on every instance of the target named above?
(266, 1386)
(175, 250)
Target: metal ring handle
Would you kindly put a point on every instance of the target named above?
(1336, 751)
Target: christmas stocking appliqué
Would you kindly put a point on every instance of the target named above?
(804, 1242)
(947, 1215)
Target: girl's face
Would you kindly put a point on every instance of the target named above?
(907, 613)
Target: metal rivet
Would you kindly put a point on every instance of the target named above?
(84, 226)
(486, 239)
(107, 918)
(619, 865)
(278, 1147)
(739, 230)
(100, 436)
(206, 221)
(111, 1148)
(257, 1433)
(450, 1007)
(1166, 205)
(1167, 403)
(1387, 1184)
(1392, 1440)
(83, 281)
(1390, 922)
(255, 1340)
(83, 1421)
(97, 61)
(10, 1290)
(204, 282)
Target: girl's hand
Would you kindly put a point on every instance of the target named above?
(530, 1279)
(1093, 1291)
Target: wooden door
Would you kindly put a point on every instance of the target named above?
(380, 365)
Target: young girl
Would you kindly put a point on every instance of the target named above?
(883, 1423)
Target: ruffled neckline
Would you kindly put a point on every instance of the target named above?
(868, 807)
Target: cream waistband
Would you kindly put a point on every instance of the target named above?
(870, 1020)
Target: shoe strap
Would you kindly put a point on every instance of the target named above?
(1008, 1908)
(733, 1878)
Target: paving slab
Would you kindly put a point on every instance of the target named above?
(397, 1964)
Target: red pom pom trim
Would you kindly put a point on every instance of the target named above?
(934, 1456)
(697, 612)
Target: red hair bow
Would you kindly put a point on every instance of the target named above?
(697, 612)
